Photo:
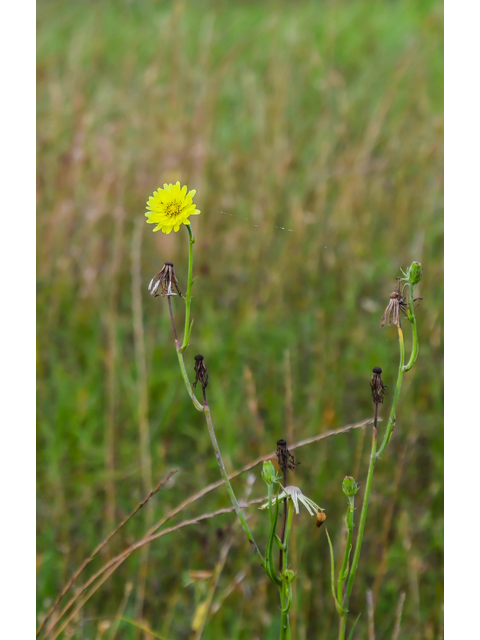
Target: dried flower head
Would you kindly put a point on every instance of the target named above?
(201, 374)
(166, 281)
(285, 458)
(378, 388)
(171, 207)
(296, 496)
(392, 312)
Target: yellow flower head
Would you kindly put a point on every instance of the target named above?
(170, 207)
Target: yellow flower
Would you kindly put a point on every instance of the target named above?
(170, 207)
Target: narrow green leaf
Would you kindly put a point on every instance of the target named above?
(339, 608)
(354, 625)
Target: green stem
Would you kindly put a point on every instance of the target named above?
(270, 567)
(284, 521)
(205, 408)
(391, 419)
(285, 592)
(342, 576)
(285, 632)
(361, 528)
(223, 471)
(188, 295)
(190, 392)
(287, 531)
(413, 320)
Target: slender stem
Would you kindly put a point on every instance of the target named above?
(287, 531)
(343, 626)
(285, 633)
(285, 592)
(273, 513)
(190, 392)
(172, 320)
(284, 523)
(413, 320)
(188, 296)
(391, 419)
(361, 528)
(205, 408)
(342, 576)
(236, 506)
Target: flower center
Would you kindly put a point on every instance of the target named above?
(173, 209)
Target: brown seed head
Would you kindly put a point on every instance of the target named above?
(378, 388)
(285, 458)
(166, 281)
(201, 374)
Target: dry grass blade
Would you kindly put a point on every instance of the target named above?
(142, 391)
(250, 465)
(82, 602)
(398, 616)
(149, 537)
(101, 545)
(115, 562)
(371, 616)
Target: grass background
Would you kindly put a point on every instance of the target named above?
(321, 117)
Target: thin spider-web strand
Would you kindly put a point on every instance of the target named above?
(233, 215)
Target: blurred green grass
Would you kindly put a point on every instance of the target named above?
(321, 117)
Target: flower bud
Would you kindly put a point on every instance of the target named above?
(414, 273)
(269, 475)
(289, 576)
(321, 517)
(349, 487)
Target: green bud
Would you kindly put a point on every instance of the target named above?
(349, 486)
(414, 273)
(268, 473)
(289, 576)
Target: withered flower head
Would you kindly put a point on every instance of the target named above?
(296, 496)
(285, 458)
(378, 388)
(166, 281)
(201, 374)
(392, 312)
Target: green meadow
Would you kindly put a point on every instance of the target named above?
(313, 134)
